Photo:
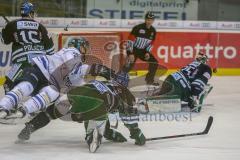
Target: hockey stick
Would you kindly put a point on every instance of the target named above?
(7, 122)
(5, 18)
(197, 108)
(206, 130)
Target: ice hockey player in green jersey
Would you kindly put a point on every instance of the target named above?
(29, 39)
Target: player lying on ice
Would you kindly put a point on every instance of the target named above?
(47, 78)
(91, 103)
(190, 83)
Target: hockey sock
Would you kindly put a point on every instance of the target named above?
(12, 98)
(136, 133)
(43, 118)
(40, 121)
(113, 135)
(40, 101)
(99, 124)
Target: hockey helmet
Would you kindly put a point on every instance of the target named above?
(149, 15)
(27, 8)
(79, 42)
(201, 57)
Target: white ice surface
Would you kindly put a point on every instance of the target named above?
(65, 140)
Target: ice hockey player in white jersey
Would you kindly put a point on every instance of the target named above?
(52, 74)
(91, 103)
(190, 82)
(45, 79)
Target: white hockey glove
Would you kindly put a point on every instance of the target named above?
(141, 105)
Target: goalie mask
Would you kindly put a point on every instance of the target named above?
(201, 57)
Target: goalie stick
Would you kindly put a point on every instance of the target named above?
(206, 130)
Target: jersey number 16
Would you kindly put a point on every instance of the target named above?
(28, 36)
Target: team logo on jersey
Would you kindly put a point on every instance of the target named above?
(27, 25)
(142, 31)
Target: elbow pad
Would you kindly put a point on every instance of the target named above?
(103, 71)
(197, 86)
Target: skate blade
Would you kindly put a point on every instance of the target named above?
(17, 115)
(20, 141)
(95, 143)
(8, 121)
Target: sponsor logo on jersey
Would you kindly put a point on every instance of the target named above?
(100, 87)
(142, 31)
(27, 25)
(176, 76)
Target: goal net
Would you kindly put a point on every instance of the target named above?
(104, 47)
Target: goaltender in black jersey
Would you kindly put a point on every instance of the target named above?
(29, 38)
(190, 83)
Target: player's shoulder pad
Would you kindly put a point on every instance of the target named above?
(15, 20)
(41, 25)
(7, 27)
(12, 22)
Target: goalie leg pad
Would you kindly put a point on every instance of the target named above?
(40, 101)
(12, 98)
